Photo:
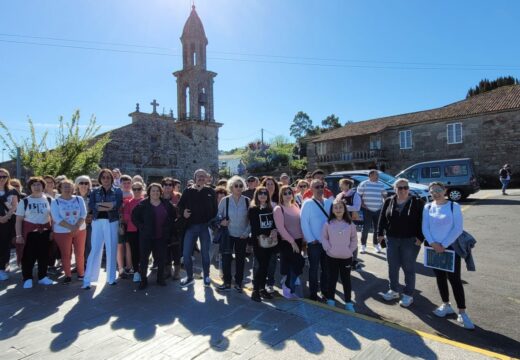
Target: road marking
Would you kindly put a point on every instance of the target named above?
(466, 207)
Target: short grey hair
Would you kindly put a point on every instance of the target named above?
(235, 179)
(200, 171)
(401, 180)
(83, 178)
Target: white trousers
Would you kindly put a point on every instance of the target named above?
(103, 233)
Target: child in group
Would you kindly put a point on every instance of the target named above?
(339, 240)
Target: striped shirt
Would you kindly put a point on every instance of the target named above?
(372, 193)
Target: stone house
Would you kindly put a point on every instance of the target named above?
(485, 128)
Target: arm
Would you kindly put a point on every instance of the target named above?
(353, 238)
(356, 203)
(56, 217)
(426, 225)
(280, 224)
(305, 221)
(457, 228)
(119, 199)
(137, 215)
(419, 208)
(325, 236)
(18, 229)
(254, 221)
(383, 220)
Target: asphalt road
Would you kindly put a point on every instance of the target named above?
(492, 292)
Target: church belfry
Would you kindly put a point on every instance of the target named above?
(194, 82)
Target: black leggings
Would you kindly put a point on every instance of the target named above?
(456, 284)
(6, 235)
(263, 257)
(132, 238)
(341, 267)
(36, 249)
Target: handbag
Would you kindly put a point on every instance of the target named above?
(122, 229)
(266, 242)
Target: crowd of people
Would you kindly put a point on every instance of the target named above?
(282, 224)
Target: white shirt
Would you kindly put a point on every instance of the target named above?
(38, 210)
(312, 219)
(440, 225)
(69, 210)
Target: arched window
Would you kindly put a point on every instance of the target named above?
(187, 97)
(194, 58)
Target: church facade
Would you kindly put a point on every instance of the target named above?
(156, 145)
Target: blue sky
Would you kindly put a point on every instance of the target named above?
(356, 59)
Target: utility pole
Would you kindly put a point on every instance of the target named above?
(18, 163)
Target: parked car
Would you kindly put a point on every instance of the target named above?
(418, 190)
(458, 175)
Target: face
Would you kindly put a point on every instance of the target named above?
(36, 188)
(237, 188)
(319, 176)
(106, 179)
(49, 185)
(262, 196)
(338, 209)
(317, 189)
(116, 174)
(4, 178)
(373, 177)
(168, 187)
(200, 178)
(83, 186)
(251, 184)
(302, 187)
(137, 190)
(437, 192)
(269, 184)
(285, 180)
(66, 189)
(126, 185)
(177, 187)
(345, 186)
(287, 195)
(402, 189)
(155, 193)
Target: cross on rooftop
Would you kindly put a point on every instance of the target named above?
(154, 103)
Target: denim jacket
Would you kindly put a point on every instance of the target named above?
(99, 195)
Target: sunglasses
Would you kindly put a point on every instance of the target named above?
(302, 186)
(251, 180)
(83, 183)
(263, 193)
(437, 191)
(106, 177)
(237, 186)
(137, 189)
(318, 187)
(287, 193)
(403, 188)
(168, 184)
(3, 176)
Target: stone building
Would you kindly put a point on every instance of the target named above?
(485, 128)
(156, 145)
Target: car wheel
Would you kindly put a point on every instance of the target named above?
(455, 195)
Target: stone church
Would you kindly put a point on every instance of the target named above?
(157, 145)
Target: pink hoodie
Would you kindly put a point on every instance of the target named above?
(339, 239)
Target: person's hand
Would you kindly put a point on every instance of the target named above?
(187, 213)
(438, 248)
(243, 237)
(418, 242)
(295, 248)
(380, 238)
(224, 222)
(88, 219)
(274, 234)
(3, 219)
(19, 240)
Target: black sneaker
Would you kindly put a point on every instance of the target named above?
(255, 296)
(264, 294)
(238, 288)
(186, 282)
(224, 287)
(67, 280)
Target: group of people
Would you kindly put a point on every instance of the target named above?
(272, 219)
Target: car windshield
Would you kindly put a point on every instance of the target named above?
(387, 178)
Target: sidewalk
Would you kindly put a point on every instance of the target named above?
(118, 322)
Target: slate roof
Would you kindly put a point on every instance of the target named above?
(504, 98)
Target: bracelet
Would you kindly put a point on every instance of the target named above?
(19, 236)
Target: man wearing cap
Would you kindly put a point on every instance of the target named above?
(285, 179)
(252, 183)
(319, 175)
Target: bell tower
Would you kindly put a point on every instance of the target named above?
(194, 82)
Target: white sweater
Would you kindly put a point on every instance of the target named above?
(440, 225)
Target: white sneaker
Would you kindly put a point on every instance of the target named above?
(465, 321)
(378, 249)
(137, 277)
(46, 281)
(3, 275)
(443, 310)
(27, 284)
(390, 295)
(406, 301)
(363, 249)
(269, 289)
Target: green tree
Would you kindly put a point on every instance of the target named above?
(301, 125)
(485, 85)
(331, 122)
(77, 149)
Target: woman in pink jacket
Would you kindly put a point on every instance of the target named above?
(339, 240)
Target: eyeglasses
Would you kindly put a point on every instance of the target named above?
(3, 176)
(83, 183)
(302, 186)
(287, 193)
(436, 190)
(318, 187)
(168, 184)
(265, 193)
(403, 188)
(251, 180)
(137, 189)
(236, 186)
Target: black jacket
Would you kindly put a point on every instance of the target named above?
(203, 204)
(143, 216)
(408, 223)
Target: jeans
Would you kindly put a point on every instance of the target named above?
(342, 267)
(371, 218)
(240, 255)
(317, 259)
(505, 184)
(455, 281)
(193, 232)
(402, 253)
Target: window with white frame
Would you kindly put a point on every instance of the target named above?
(405, 139)
(321, 148)
(454, 133)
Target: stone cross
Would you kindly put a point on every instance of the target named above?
(154, 103)
(137, 107)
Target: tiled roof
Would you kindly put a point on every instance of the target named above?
(501, 99)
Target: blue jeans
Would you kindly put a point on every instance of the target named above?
(317, 260)
(402, 253)
(505, 184)
(371, 218)
(193, 232)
